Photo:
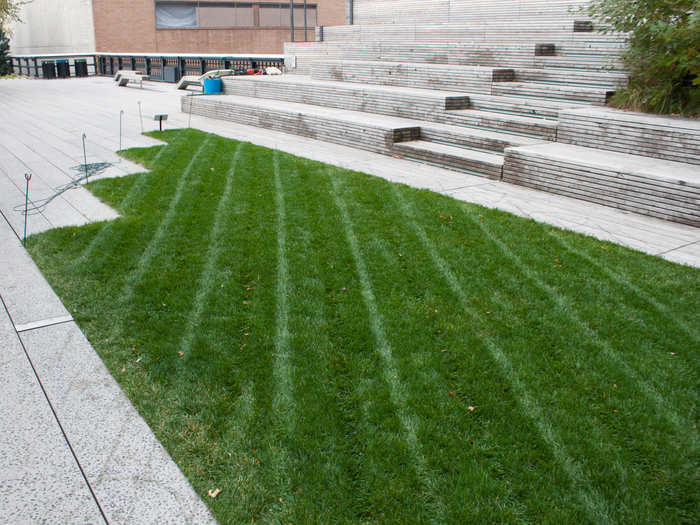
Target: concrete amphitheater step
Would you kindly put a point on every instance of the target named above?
(658, 188)
(599, 79)
(470, 79)
(447, 156)
(299, 57)
(351, 128)
(480, 30)
(519, 124)
(376, 133)
(428, 105)
(580, 94)
(473, 138)
(670, 138)
(531, 107)
(565, 63)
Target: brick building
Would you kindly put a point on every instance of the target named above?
(168, 26)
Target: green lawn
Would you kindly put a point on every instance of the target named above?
(328, 347)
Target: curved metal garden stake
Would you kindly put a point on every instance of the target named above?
(85, 158)
(27, 176)
(140, 116)
(121, 113)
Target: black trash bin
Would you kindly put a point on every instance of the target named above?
(81, 67)
(62, 69)
(48, 69)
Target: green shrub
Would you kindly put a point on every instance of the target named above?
(5, 62)
(663, 58)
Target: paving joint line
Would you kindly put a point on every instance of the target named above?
(43, 323)
(55, 415)
(678, 247)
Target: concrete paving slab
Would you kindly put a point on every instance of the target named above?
(688, 254)
(40, 481)
(127, 467)
(27, 295)
(10, 196)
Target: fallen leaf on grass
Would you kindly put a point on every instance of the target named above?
(471, 409)
(214, 493)
(180, 354)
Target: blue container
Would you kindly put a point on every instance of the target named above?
(212, 86)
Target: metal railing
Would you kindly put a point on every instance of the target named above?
(160, 67)
(32, 65)
(171, 67)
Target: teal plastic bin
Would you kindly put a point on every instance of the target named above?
(212, 86)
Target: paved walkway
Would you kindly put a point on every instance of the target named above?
(72, 447)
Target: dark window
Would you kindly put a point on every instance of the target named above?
(173, 14)
(170, 15)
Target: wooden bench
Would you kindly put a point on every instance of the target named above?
(121, 72)
(124, 77)
(188, 81)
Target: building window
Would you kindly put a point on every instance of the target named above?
(234, 15)
(175, 14)
(277, 15)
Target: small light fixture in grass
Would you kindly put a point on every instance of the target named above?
(160, 118)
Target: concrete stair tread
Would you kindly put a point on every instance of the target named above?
(660, 188)
(356, 117)
(450, 132)
(375, 88)
(379, 88)
(484, 134)
(662, 170)
(572, 94)
(545, 87)
(467, 79)
(467, 54)
(422, 65)
(525, 120)
(575, 72)
(445, 149)
(660, 122)
(596, 79)
(422, 105)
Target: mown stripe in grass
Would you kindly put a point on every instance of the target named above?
(153, 247)
(234, 342)
(283, 409)
(567, 310)
(595, 504)
(134, 192)
(460, 444)
(205, 283)
(618, 277)
(391, 374)
(328, 439)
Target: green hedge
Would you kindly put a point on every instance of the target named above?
(663, 58)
